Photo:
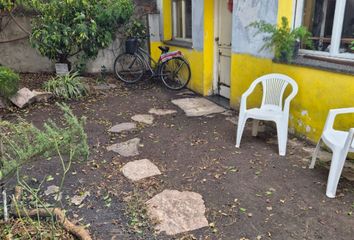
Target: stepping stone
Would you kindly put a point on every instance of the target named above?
(177, 212)
(122, 127)
(140, 169)
(104, 87)
(196, 107)
(126, 149)
(143, 118)
(161, 112)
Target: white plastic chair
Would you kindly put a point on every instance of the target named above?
(271, 108)
(340, 142)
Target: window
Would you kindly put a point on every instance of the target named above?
(182, 19)
(331, 23)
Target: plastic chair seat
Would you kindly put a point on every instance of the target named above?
(264, 114)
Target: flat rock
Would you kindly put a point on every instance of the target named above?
(137, 170)
(78, 199)
(104, 87)
(143, 118)
(23, 97)
(161, 112)
(126, 149)
(322, 156)
(195, 107)
(51, 190)
(177, 212)
(123, 127)
(42, 96)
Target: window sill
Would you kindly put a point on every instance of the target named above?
(323, 63)
(179, 43)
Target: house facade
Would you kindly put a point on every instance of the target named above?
(225, 55)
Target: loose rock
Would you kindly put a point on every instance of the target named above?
(23, 97)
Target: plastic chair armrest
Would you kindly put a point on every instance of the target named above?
(332, 115)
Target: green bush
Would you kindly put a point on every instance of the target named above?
(9, 82)
(281, 39)
(136, 29)
(23, 142)
(67, 87)
(67, 28)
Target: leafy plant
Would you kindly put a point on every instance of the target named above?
(68, 86)
(9, 82)
(136, 29)
(23, 142)
(352, 45)
(282, 39)
(66, 28)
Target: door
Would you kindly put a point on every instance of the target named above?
(223, 45)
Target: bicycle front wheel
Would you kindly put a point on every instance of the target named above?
(175, 73)
(129, 68)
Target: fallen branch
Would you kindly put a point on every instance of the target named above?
(79, 232)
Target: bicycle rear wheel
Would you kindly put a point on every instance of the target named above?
(129, 68)
(175, 73)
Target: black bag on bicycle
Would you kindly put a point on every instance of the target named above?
(131, 45)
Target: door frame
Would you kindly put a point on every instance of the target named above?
(216, 48)
(216, 68)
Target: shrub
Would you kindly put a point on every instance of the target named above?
(9, 82)
(67, 87)
(67, 28)
(136, 29)
(22, 142)
(281, 39)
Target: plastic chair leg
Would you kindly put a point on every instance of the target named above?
(315, 153)
(282, 132)
(255, 125)
(335, 171)
(240, 127)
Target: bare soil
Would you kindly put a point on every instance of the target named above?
(250, 193)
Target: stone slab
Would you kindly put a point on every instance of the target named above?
(143, 118)
(122, 127)
(23, 97)
(161, 112)
(196, 107)
(126, 149)
(177, 212)
(140, 169)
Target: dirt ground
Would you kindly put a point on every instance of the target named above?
(249, 193)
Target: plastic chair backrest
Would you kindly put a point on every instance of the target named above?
(274, 86)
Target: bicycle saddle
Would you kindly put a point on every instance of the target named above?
(164, 49)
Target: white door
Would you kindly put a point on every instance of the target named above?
(223, 45)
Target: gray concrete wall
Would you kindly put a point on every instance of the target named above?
(21, 57)
(246, 12)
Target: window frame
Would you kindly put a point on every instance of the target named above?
(174, 21)
(336, 31)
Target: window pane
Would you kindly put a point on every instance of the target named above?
(348, 28)
(182, 18)
(318, 18)
(188, 19)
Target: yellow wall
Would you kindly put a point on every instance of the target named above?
(319, 91)
(201, 66)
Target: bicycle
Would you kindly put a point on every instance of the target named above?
(172, 68)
